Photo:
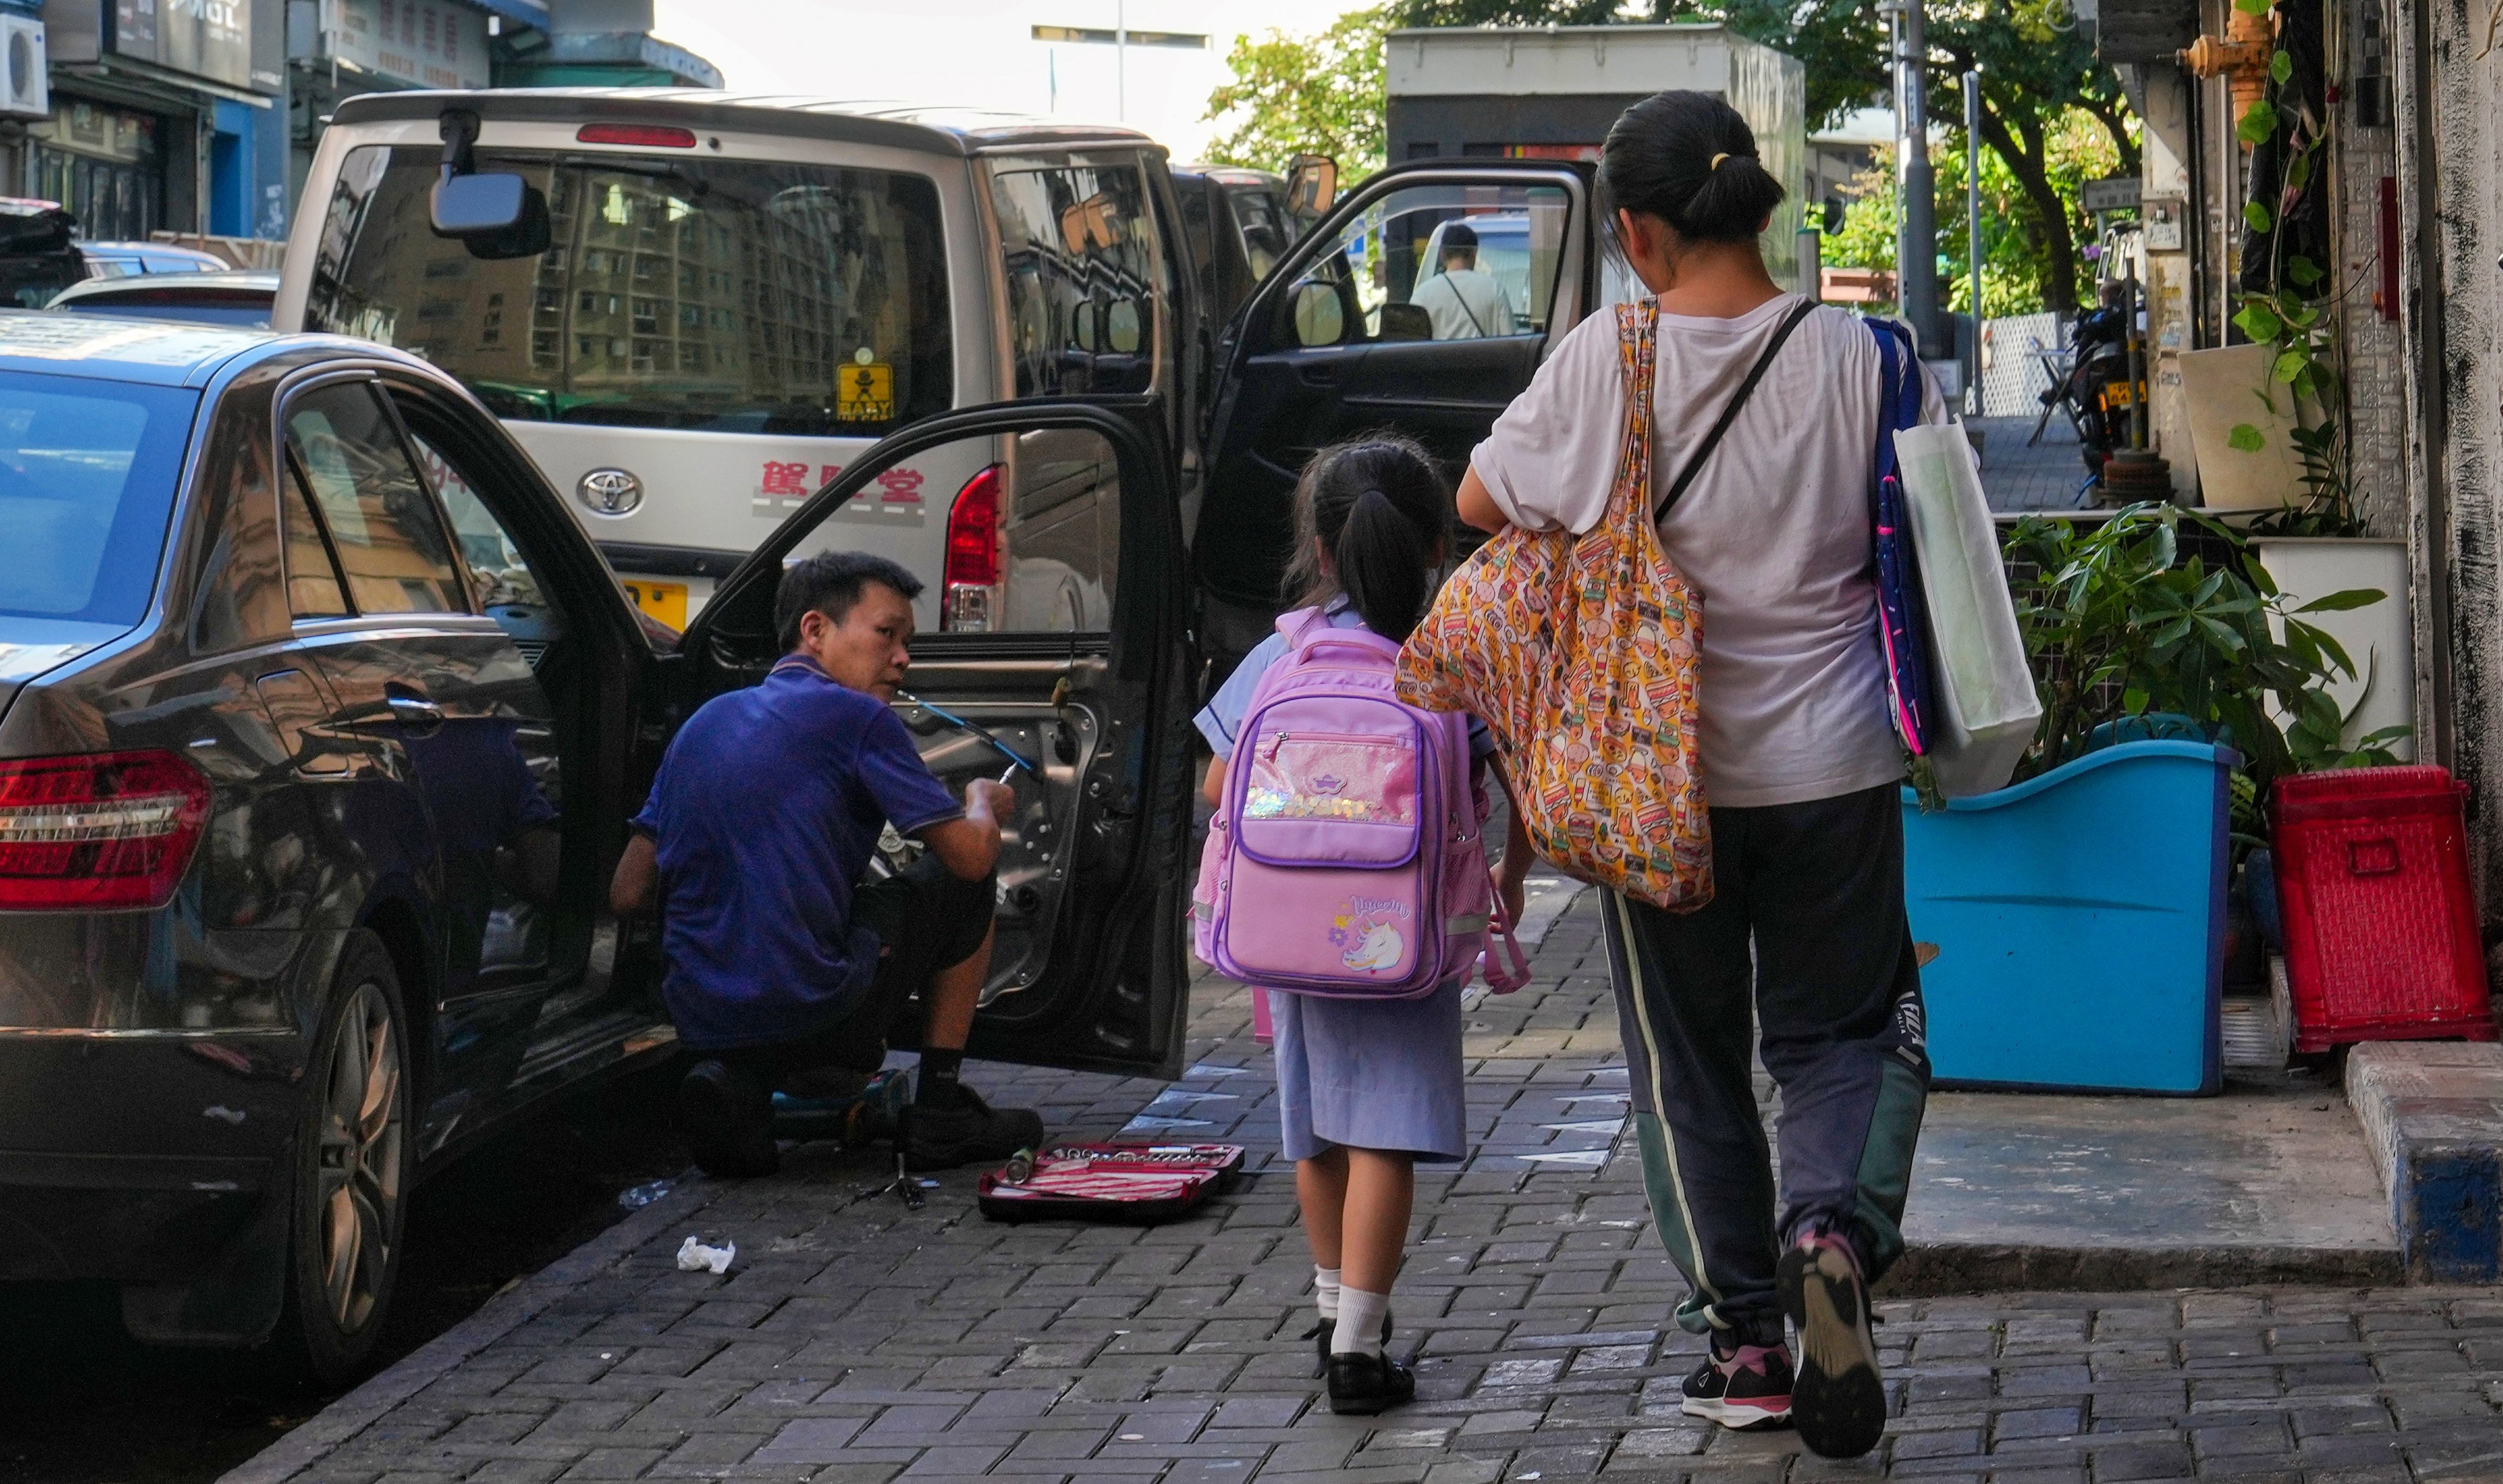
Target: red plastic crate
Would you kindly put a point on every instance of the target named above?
(2381, 926)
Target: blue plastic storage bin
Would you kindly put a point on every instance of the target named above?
(2079, 919)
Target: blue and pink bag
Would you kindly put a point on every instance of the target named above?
(1903, 611)
(1348, 859)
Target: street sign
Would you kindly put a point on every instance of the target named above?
(2119, 194)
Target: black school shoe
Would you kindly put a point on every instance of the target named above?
(728, 1119)
(1839, 1402)
(1748, 1388)
(1322, 1334)
(972, 1131)
(1364, 1385)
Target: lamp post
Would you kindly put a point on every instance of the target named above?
(1916, 183)
(1973, 231)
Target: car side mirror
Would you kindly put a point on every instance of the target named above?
(496, 215)
(1320, 318)
(1312, 185)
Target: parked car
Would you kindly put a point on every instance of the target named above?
(127, 259)
(319, 723)
(237, 297)
(687, 393)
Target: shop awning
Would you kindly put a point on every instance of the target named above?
(528, 12)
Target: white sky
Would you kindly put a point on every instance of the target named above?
(983, 53)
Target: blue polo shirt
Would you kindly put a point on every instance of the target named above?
(764, 813)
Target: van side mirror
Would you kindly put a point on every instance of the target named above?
(1312, 184)
(496, 215)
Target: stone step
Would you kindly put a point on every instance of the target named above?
(2432, 1113)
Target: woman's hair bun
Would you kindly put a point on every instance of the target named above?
(1689, 159)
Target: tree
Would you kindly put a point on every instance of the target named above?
(1293, 94)
(2035, 73)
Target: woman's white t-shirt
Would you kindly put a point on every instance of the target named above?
(1773, 533)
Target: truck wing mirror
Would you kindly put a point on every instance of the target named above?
(1310, 187)
(497, 215)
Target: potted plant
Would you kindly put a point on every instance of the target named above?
(2079, 912)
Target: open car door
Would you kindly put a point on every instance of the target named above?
(1062, 665)
(1422, 303)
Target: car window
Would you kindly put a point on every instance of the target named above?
(87, 474)
(711, 295)
(1078, 249)
(1436, 263)
(502, 576)
(1267, 230)
(383, 526)
(313, 590)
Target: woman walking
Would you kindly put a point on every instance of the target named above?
(1805, 938)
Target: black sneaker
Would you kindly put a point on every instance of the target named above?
(1322, 1333)
(1364, 1385)
(1838, 1403)
(970, 1133)
(1748, 1388)
(728, 1119)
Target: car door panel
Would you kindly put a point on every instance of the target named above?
(1300, 376)
(1082, 707)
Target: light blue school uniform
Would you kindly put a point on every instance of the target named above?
(1364, 1073)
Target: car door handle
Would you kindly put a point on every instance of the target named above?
(411, 709)
(1317, 373)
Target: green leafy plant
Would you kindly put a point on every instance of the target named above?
(2120, 624)
(2293, 314)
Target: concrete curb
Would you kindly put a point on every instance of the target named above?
(342, 1420)
(1930, 1270)
(2432, 1113)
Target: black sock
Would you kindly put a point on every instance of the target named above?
(937, 1086)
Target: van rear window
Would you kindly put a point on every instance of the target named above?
(713, 295)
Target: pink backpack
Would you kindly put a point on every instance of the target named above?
(1348, 859)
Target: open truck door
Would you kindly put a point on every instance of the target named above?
(1422, 302)
(1063, 667)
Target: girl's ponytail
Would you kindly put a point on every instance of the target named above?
(1379, 514)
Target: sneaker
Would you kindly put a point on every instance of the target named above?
(1749, 1388)
(1838, 1403)
(728, 1119)
(972, 1131)
(1364, 1385)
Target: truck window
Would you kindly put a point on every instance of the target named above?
(1076, 245)
(714, 295)
(1437, 262)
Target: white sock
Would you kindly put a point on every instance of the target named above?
(1325, 1292)
(1359, 1322)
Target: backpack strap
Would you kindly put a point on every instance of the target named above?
(1295, 622)
(1730, 414)
(1501, 977)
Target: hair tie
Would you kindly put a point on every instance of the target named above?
(1716, 161)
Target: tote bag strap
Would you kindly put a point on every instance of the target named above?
(1730, 414)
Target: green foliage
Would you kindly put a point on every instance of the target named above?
(1293, 94)
(2118, 624)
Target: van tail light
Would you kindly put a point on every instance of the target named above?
(971, 596)
(649, 135)
(97, 833)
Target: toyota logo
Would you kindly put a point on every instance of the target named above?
(610, 492)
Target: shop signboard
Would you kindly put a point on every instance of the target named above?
(424, 43)
(205, 38)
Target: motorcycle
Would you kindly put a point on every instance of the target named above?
(2098, 392)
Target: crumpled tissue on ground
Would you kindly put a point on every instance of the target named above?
(695, 1256)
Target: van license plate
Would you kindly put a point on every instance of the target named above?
(665, 601)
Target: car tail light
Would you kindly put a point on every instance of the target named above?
(654, 135)
(972, 589)
(99, 831)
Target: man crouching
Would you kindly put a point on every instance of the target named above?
(782, 961)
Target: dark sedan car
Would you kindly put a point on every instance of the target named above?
(319, 723)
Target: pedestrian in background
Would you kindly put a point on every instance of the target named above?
(1367, 1088)
(1806, 935)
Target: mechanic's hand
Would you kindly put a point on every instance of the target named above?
(989, 795)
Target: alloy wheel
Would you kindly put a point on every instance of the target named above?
(362, 1158)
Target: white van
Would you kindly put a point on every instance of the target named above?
(734, 296)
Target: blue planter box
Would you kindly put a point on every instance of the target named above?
(2079, 919)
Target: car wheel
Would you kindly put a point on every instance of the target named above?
(352, 1169)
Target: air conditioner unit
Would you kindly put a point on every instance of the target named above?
(24, 91)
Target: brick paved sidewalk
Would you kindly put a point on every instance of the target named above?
(857, 1341)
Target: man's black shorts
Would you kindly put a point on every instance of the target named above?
(926, 919)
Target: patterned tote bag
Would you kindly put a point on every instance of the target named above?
(1579, 653)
